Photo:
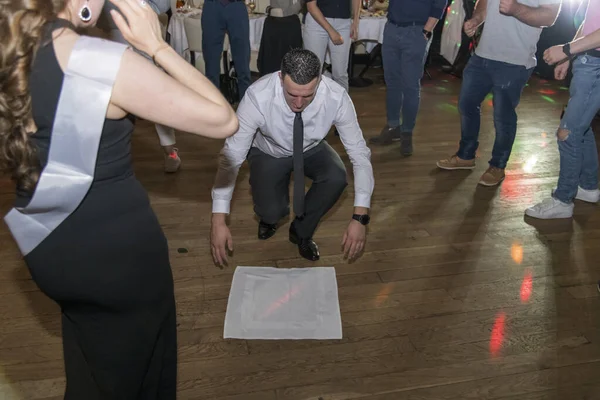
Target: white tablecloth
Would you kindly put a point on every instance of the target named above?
(370, 30)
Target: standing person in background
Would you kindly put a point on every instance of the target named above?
(166, 135)
(503, 62)
(281, 33)
(578, 178)
(288, 7)
(331, 25)
(218, 17)
(406, 41)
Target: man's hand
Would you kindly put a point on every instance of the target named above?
(560, 72)
(354, 239)
(353, 31)
(336, 38)
(509, 7)
(220, 242)
(470, 27)
(554, 55)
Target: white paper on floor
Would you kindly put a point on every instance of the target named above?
(282, 303)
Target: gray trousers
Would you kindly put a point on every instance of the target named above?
(317, 40)
(270, 180)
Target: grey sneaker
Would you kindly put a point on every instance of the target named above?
(387, 136)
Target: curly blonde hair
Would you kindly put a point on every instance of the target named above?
(21, 23)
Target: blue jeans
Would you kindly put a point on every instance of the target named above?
(218, 18)
(403, 50)
(506, 82)
(576, 145)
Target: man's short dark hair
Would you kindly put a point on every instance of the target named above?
(301, 65)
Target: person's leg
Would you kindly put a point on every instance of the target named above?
(269, 182)
(578, 177)
(509, 82)
(238, 29)
(392, 59)
(413, 46)
(160, 382)
(576, 142)
(166, 137)
(340, 54)
(476, 84)
(315, 38)
(108, 353)
(588, 179)
(213, 36)
(327, 171)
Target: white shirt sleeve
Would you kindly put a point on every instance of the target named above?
(234, 153)
(352, 138)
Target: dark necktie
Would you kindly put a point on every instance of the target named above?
(298, 166)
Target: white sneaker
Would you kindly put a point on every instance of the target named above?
(172, 161)
(550, 209)
(589, 196)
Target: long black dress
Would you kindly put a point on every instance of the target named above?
(107, 266)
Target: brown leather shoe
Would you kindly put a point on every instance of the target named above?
(455, 163)
(492, 177)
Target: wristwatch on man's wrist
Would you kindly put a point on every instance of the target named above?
(427, 34)
(362, 218)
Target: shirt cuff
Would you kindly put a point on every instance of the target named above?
(221, 207)
(362, 200)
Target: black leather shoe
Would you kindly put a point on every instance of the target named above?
(306, 247)
(266, 231)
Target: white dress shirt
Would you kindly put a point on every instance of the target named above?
(267, 122)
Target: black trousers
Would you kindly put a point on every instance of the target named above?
(270, 180)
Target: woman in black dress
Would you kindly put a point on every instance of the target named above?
(106, 264)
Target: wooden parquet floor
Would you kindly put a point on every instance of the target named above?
(457, 296)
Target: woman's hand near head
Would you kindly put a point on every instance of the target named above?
(182, 98)
(140, 26)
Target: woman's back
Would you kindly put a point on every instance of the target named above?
(46, 79)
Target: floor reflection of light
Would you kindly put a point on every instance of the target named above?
(526, 287)
(549, 99)
(383, 295)
(280, 302)
(509, 189)
(530, 163)
(497, 336)
(516, 253)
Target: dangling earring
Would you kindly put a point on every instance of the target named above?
(85, 14)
